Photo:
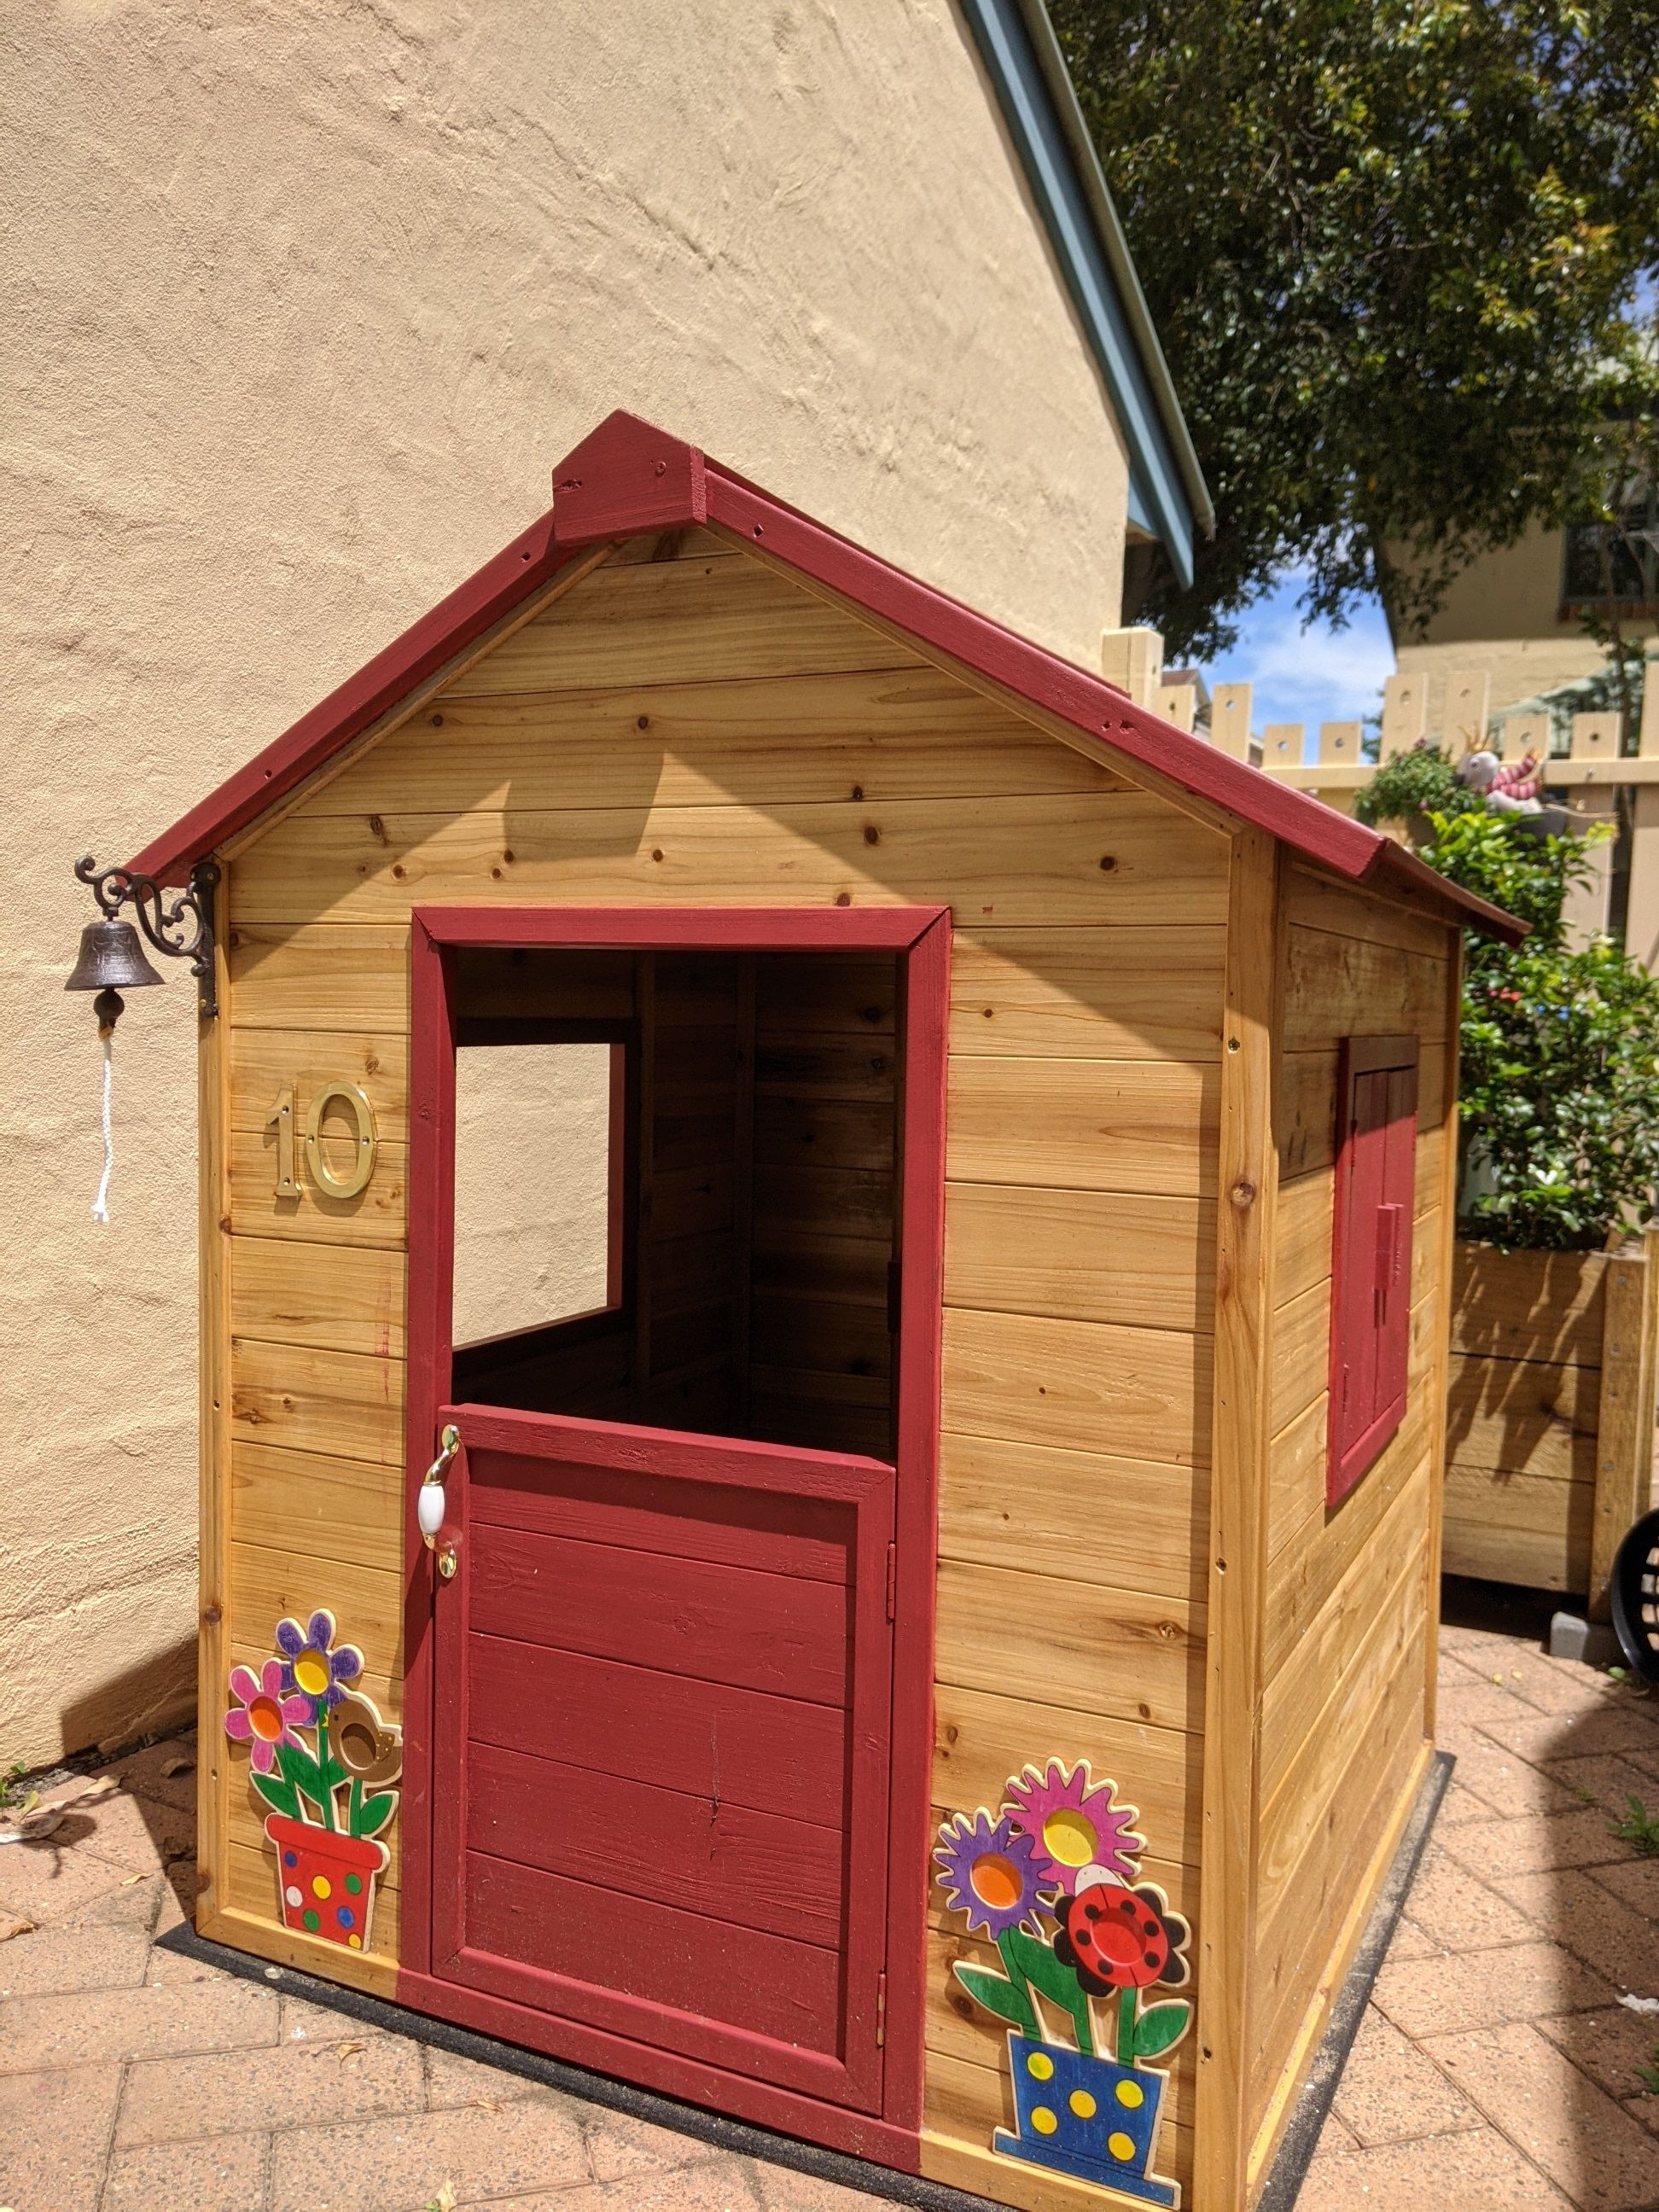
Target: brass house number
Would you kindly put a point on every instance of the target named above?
(327, 1176)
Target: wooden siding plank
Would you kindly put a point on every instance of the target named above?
(267, 1585)
(676, 622)
(1134, 1393)
(1076, 1645)
(339, 1403)
(1304, 1903)
(835, 1133)
(1034, 862)
(264, 1062)
(1301, 1353)
(1080, 1255)
(1319, 901)
(1128, 994)
(980, 1739)
(694, 543)
(1321, 1550)
(1333, 984)
(847, 996)
(1296, 1463)
(320, 977)
(1377, 1609)
(871, 734)
(317, 1504)
(1124, 1125)
(376, 1217)
(350, 1299)
(1124, 1523)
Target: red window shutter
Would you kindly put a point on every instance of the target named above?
(1372, 1254)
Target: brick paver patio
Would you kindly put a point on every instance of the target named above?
(1495, 2071)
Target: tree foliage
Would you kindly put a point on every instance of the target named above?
(1559, 1056)
(1391, 249)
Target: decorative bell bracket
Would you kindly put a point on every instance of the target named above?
(179, 923)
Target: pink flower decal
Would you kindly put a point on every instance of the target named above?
(266, 1715)
(1074, 1822)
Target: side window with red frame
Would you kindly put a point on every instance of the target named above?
(1370, 1252)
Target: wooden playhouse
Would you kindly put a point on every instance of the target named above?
(829, 1162)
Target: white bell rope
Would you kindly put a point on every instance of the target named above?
(100, 1204)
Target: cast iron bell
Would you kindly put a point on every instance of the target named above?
(112, 958)
(110, 954)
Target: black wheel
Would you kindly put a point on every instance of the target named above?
(1635, 1596)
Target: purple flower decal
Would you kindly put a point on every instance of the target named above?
(312, 1665)
(987, 1871)
(267, 1712)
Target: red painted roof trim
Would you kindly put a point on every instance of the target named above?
(625, 475)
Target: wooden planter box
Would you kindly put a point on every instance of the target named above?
(1550, 1413)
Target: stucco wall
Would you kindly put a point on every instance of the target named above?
(306, 300)
(1503, 614)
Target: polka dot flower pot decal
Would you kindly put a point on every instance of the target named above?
(324, 1761)
(1051, 1878)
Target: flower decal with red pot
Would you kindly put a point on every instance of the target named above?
(324, 1761)
(326, 1881)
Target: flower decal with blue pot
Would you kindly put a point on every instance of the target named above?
(1051, 1878)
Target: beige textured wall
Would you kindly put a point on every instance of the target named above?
(532, 1185)
(1502, 615)
(307, 298)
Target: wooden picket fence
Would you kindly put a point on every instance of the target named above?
(1595, 777)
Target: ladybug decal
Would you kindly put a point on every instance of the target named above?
(1115, 1939)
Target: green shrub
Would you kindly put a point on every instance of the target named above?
(1420, 782)
(1559, 1082)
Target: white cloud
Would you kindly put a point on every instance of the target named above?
(1309, 676)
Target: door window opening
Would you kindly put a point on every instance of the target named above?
(677, 1189)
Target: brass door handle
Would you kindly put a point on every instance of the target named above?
(430, 1503)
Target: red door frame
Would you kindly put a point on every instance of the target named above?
(920, 937)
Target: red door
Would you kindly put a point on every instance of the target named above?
(667, 1725)
(661, 1741)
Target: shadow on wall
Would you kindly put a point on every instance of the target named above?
(150, 1699)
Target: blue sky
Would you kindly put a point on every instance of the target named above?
(1309, 676)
